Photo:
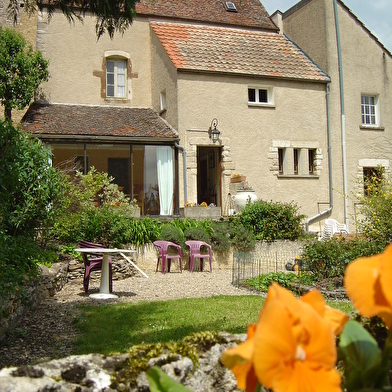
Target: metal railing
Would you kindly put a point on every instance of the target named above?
(247, 265)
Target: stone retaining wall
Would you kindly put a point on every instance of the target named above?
(52, 280)
(48, 282)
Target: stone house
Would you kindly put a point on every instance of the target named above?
(360, 93)
(196, 91)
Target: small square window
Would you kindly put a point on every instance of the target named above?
(262, 96)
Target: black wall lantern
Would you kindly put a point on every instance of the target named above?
(213, 131)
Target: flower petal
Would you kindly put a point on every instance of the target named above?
(302, 378)
(284, 340)
(337, 318)
(363, 285)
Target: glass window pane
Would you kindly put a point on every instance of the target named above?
(110, 66)
(110, 79)
(121, 80)
(110, 91)
(121, 91)
(263, 96)
(251, 95)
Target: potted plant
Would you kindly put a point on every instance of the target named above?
(237, 178)
(200, 211)
(245, 194)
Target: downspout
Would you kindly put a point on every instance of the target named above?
(344, 160)
(329, 210)
(184, 164)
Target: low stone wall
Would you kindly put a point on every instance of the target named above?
(48, 282)
(94, 372)
(52, 280)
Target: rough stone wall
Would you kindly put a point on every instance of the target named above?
(48, 283)
(93, 372)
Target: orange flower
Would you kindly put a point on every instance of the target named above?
(368, 284)
(292, 345)
(295, 351)
(238, 359)
(336, 318)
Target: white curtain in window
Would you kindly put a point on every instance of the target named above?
(165, 179)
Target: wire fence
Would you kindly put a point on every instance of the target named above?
(247, 265)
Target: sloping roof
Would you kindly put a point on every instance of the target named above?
(302, 3)
(238, 51)
(97, 122)
(250, 13)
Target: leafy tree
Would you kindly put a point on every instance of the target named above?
(111, 15)
(376, 222)
(21, 71)
(28, 183)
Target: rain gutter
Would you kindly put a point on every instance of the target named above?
(343, 116)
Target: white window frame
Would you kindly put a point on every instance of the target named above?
(270, 96)
(370, 110)
(119, 78)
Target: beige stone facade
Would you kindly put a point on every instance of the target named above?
(366, 70)
(280, 145)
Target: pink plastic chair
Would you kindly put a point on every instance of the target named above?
(195, 247)
(93, 264)
(163, 254)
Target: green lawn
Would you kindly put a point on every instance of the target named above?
(114, 328)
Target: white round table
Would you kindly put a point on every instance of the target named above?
(104, 292)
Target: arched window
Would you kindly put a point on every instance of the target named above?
(116, 74)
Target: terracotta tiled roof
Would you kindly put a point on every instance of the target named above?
(96, 121)
(230, 50)
(250, 13)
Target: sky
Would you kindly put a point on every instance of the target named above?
(376, 15)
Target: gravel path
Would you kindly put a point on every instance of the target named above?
(47, 331)
(158, 287)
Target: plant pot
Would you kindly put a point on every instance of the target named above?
(243, 197)
(237, 179)
(202, 212)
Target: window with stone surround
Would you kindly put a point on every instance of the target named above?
(116, 78)
(298, 159)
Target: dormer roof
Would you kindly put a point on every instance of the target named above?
(249, 13)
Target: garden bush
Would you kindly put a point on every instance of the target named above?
(220, 238)
(172, 233)
(376, 209)
(271, 221)
(328, 259)
(242, 239)
(197, 233)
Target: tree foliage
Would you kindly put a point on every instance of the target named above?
(376, 202)
(111, 15)
(28, 183)
(21, 71)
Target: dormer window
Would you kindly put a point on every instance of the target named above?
(230, 6)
